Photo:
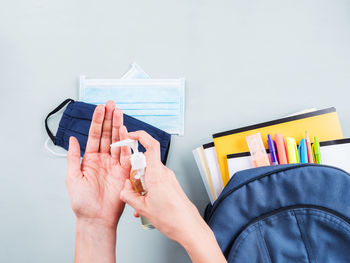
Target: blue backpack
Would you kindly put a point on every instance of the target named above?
(284, 213)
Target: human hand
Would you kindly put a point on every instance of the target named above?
(165, 204)
(168, 208)
(95, 184)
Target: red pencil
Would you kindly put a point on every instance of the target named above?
(309, 149)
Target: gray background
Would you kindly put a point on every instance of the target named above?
(244, 62)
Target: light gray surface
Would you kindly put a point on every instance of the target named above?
(244, 62)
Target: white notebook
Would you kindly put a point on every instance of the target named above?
(202, 165)
(336, 153)
(213, 165)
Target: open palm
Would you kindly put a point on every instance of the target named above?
(94, 184)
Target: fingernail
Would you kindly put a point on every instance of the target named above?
(101, 107)
(111, 102)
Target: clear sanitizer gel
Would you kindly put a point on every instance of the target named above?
(137, 174)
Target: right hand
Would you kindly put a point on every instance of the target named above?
(165, 205)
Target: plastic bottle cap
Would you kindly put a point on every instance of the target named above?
(137, 159)
(133, 144)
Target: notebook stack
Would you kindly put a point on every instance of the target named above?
(229, 152)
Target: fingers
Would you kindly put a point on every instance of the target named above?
(129, 196)
(73, 157)
(151, 145)
(116, 124)
(93, 143)
(125, 150)
(106, 138)
(136, 214)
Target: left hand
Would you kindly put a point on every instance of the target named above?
(95, 184)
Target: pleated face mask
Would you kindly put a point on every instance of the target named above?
(76, 121)
(159, 102)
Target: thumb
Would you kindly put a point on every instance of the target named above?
(125, 150)
(132, 198)
(73, 157)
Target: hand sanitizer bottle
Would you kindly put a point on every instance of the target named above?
(137, 174)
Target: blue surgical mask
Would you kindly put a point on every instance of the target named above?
(159, 102)
(76, 120)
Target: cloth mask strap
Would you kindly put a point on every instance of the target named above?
(47, 147)
(58, 108)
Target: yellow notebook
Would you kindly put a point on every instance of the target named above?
(322, 123)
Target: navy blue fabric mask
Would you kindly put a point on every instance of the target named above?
(76, 120)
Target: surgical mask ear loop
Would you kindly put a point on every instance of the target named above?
(49, 133)
(46, 145)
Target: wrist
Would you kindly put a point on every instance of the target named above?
(95, 231)
(199, 235)
(95, 225)
(193, 229)
(201, 245)
(95, 241)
